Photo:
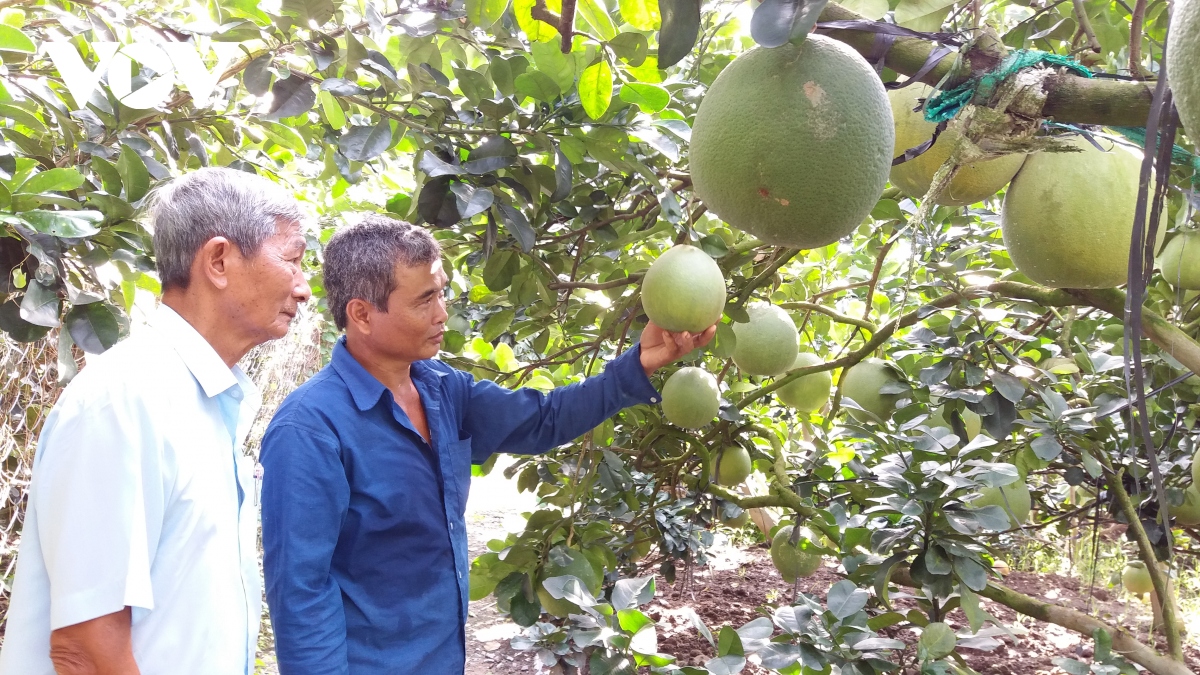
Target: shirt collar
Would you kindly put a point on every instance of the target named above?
(198, 355)
(364, 388)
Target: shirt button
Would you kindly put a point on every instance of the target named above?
(460, 575)
(452, 526)
(654, 399)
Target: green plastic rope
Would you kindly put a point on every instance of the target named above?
(1179, 155)
(947, 104)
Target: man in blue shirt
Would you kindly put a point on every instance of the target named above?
(368, 464)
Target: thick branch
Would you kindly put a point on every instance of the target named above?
(1122, 641)
(604, 286)
(833, 314)
(1069, 98)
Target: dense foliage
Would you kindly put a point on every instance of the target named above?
(554, 171)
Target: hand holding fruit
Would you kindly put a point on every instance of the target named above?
(661, 347)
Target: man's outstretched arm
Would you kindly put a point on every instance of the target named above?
(526, 421)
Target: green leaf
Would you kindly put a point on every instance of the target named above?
(595, 89)
(64, 223)
(871, 9)
(680, 28)
(641, 14)
(93, 327)
(537, 85)
(291, 97)
(110, 177)
(550, 60)
(650, 98)
(631, 47)
(970, 606)
(564, 176)
(13, 40)
(40, 305)
(597, 15)
(922, 15)
(484, 13)
(332, 110)
(54, 180)
(17, 328)
(134, 175)
(518, 226)
(535, 30)
(284, 136)
(776, 22)
(729, 643)
(497, 324)
(257, 76)
(845, 599)
(362, 144)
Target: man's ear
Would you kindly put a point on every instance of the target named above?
(358, 315)
(212, 262)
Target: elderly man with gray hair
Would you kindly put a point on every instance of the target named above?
(138, 553)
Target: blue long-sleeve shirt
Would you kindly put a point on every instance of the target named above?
(364, 537)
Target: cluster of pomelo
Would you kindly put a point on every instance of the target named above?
(805, 167)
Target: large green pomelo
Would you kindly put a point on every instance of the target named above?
(567, 562)
(937, 641)
(738, 521)
(1068, 216)
(1181, 261)
(691, 398)
(1014, 498)
(808, 393)
(767, 344)
(793, 562)
(861, 384)
(1136, 578)
(1183, 63)
(973, 183)
(1196, 467)
(793, 144)
(1188, 513)
(735, 465)
(684, 290)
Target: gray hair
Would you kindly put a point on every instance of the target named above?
(215, 202)
(360, 261)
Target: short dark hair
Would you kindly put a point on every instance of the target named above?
(360, 261)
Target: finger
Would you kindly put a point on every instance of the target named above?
(707, 336)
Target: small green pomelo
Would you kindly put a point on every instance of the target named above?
(808, 393)
(567, 562)
(937, 642)
(1183, 62)
(732, 465)
(1014, 498)
(862, 383)
(1181, 261)
(974, 182)
(1188, 513)
(793, 144)
(1067, 218)
(684, 290)
(793, 562)
(691, 398)
(738, 521)
(1136, 578)
(767, 344)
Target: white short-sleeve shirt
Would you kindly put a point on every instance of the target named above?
(141, 497)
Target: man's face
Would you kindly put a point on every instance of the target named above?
(266, 289)
(411, 329)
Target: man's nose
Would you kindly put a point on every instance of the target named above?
(302, 292)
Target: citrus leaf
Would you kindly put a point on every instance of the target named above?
(54, 180)
(292, 97)
(284, 136)
(537, 85)
(332, 110)
(775, 22)
(361, 144)
(484, 13)
(680, 28)
(134, 175)
(40, 305)
(595, 89)
(13, 40)
(17, 328)
(472, 202)
(536, 31)
(649, 98)
(641, 14)
(845, 599)
(518, 226)
(597, 15)
(257, 76)
(564, 176)
(64, 223)
(93, 327)
(630, 47)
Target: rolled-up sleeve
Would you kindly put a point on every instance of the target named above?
(527, 421)
(305, 497)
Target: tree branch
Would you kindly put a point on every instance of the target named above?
(1122, 641)
(604, 286)
(1069, 98)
